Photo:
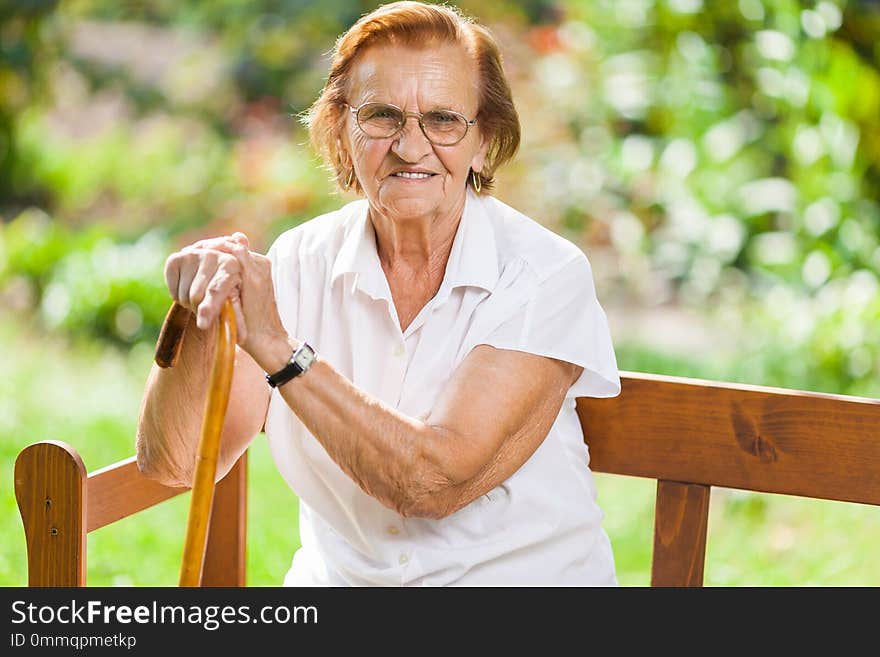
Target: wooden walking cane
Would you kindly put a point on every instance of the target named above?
(216, 401)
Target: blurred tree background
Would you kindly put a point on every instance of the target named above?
(719, 163)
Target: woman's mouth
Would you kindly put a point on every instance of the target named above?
(412, 175)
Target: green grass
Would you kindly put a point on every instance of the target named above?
(155, 537)
(754, 539)
(88, 396)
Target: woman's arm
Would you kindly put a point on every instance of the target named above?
(170, 419)
(171, 415)
(489, 419)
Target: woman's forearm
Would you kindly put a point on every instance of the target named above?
(394, 458)
(391, 456)
(384, 451)
(170, 416)
(487, 421)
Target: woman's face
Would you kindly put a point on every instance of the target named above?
(415, 80)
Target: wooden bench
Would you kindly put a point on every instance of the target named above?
(60, 503)
(688, 434)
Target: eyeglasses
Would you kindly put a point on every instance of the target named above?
(441, 127)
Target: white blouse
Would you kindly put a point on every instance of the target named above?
(509, 283)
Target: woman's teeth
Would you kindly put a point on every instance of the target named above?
(407, 174)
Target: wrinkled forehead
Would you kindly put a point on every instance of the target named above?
(436, 75)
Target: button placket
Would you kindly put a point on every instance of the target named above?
(397, 541)
(396, 371)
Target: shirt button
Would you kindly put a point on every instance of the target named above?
(399, 352)
(403, 559)
(393, 530)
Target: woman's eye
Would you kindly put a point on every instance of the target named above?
(442, 117)
(381, 114)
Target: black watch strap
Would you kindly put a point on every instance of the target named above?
(299, 363)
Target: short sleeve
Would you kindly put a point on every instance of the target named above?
(558, 316)
(284, 257)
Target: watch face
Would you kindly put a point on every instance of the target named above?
(304, 356)
(299, 363)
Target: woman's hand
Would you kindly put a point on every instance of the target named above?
(203, 275)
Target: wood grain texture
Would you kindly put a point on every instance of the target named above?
(50, 488)
(204, 479)
(57, 516)
(681, 520)
(737, 436)
(171, 335)
(225, 555)
(686, 433)
(120, 490)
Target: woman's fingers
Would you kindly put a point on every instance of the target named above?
(201, 279)
(254, 293)
(240, 325)
(203, 275)
(234, 246)
(208, 243)
(221, 284)
(172, 275)
(242, 239)
(208, 265)
(180, 270)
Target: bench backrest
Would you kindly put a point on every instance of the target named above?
(687, 434)
(691, 435)
(60, 504)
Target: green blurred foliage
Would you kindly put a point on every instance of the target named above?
(753, 540)
(729, 154)
(85, 282)
(720, 156)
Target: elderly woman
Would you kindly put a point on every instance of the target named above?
(415, 355)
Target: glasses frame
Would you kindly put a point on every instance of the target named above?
(355, 111)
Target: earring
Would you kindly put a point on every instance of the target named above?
(477, 181)
(349, 180)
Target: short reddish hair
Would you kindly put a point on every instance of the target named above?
(419, 25)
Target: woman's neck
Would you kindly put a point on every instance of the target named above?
(415, 243)
(413, 252)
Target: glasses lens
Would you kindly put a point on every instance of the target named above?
(379, 120)
(443, 127)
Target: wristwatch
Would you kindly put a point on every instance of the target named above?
(299, 363)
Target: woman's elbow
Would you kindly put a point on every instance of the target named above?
(425, 508)
(153, 465)
(431, 496)
(438, 506)
(162, 474)
(437, 486)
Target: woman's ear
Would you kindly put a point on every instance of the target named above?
(342, 154)
(479, 158)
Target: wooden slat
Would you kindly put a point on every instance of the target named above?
(120, 490)
(225, 555)
(50, 487)
(56, 531)
(737, 436)
(681, 520)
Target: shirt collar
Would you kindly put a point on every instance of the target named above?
(473, 260)
(358, 255)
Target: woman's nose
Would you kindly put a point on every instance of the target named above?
(411, 144)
